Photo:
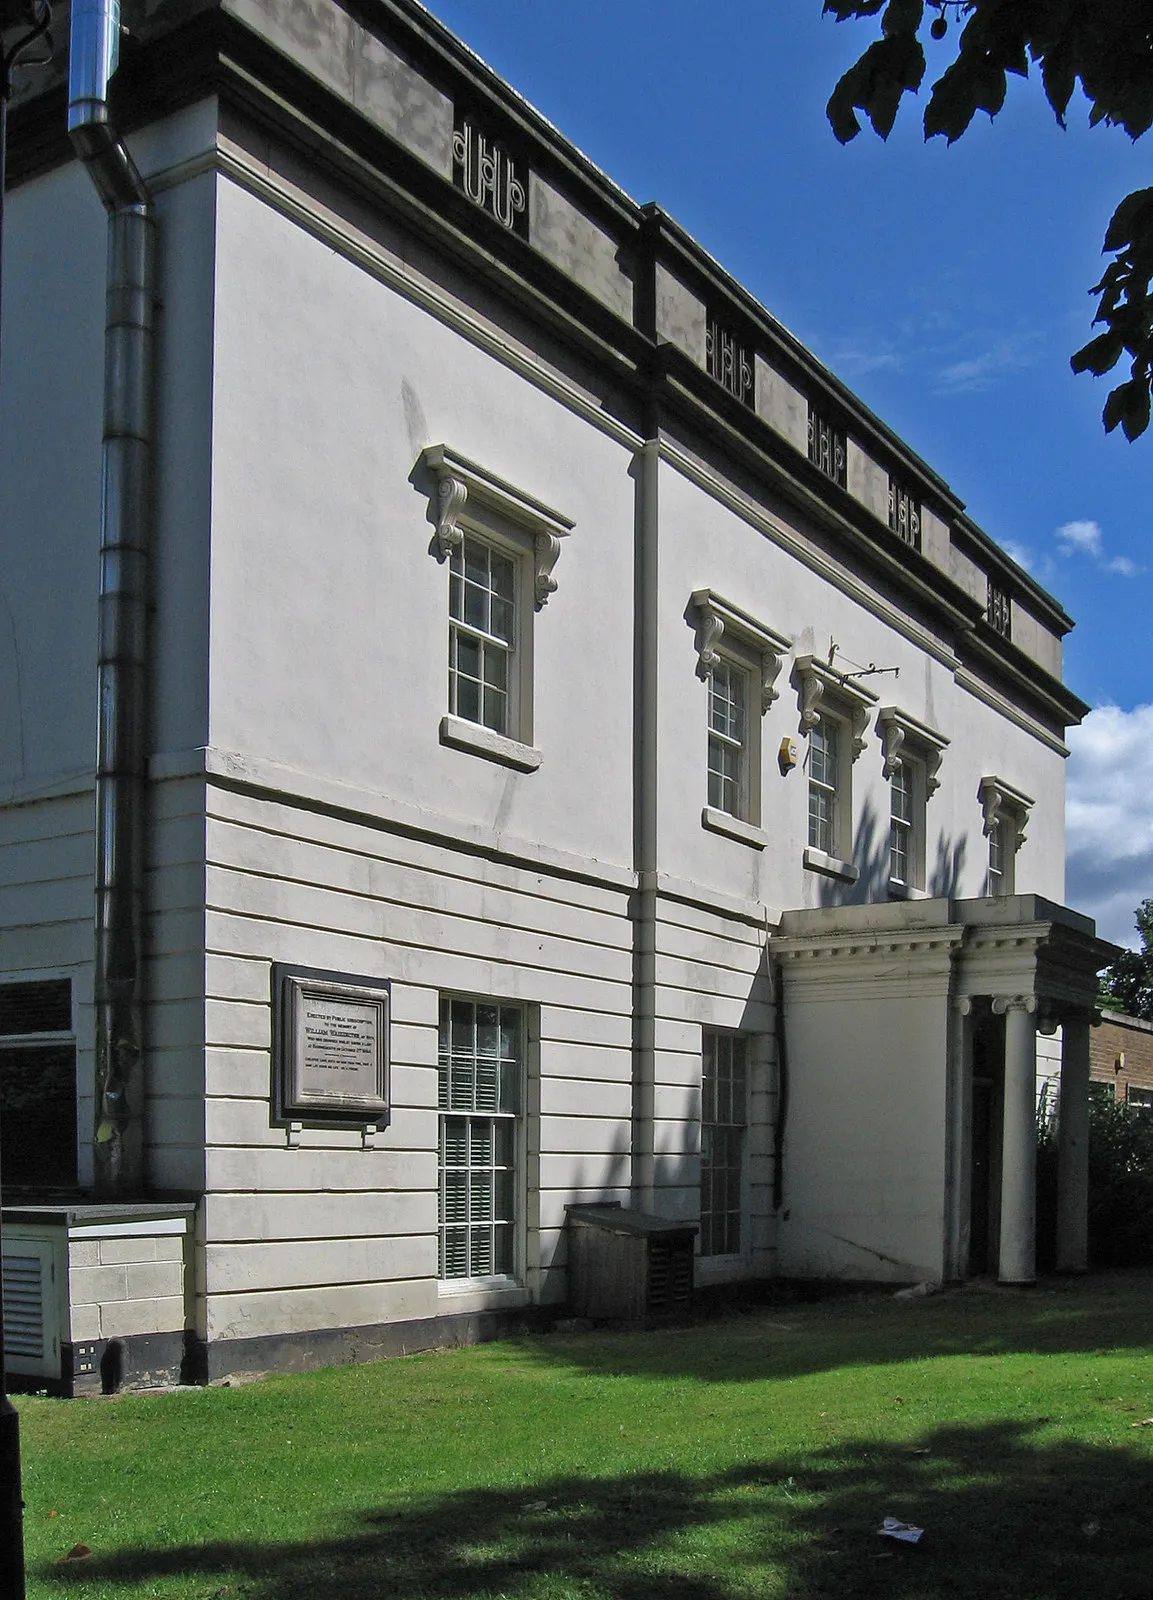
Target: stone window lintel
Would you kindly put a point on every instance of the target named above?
(819, 684)
(459, 480)
(1001, 799)
(716, 617)
(898, 729)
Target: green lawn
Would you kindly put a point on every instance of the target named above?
(751, 1456)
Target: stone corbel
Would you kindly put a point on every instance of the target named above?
(710, 629)
(892, 738)
(932, 766)
(771, 664)
(547, 551)
(810, 694)
(451, 498)
(714, 618)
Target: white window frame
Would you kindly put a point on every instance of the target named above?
(914, 749)
(831, 698)
(729, 638)
(471, 503)
(718, 1037)
(515, 1118)
(1005, 812)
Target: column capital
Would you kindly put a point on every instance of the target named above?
(1003, 1003)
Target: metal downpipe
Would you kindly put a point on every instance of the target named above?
(125, 557)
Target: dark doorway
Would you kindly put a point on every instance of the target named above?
(985, 1142)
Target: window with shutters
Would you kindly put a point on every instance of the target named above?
(37, 1086)
(481, 1065)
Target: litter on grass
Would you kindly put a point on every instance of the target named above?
(904, 1531)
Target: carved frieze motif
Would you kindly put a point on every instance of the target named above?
(728, 362)
(485, 171)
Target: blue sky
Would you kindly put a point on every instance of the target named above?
(948, 287)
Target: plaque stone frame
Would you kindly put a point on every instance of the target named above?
(330, 1047)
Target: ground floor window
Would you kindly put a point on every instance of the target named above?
(481, 1064)
(37, 1085)
(724, 1116)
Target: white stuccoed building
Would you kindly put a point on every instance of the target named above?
(537, 699)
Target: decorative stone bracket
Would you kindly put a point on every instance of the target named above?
(715, 618)
(999, 800)
(898, 730)
(461, 482)
(819, 684)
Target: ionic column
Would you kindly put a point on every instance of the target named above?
(1017, 1255)
(1073, 1148)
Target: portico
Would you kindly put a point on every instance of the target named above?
(940, 1061)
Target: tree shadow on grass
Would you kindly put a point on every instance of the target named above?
(789, 1341)
(1007, 1514)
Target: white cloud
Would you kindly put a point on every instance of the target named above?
(1084, 537)
(1109, 818)
(978, 372)
(1021, 554)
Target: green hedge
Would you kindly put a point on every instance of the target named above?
(1120, 1187)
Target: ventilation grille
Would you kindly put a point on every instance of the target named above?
(44, 1007)
(670, 1277)
(23, 1307)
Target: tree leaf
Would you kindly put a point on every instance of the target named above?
(1114, 405)
(1129, 219)
(1136, 407)
(902, 16)
(1099, 354)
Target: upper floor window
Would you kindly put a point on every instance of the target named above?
(902, 826)
(739, 659)
(834, 709)
(728, 739)
(1006, 815)
(825, 810)
(827, 447)
(912, 758)
(482, 636)
(501, 546)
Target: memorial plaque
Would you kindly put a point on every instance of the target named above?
(331, 1046)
